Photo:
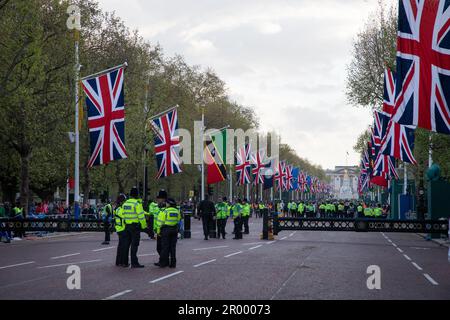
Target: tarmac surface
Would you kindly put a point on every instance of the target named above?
(296, 265)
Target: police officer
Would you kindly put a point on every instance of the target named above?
(17, 212)
(153, 211)
(222, 212)
(119, 226)
(167, 229)
(359, 210)
(237, 219)
(206, 212)
(245, 215)
(107, 213)
(161, 200)
(134, 217)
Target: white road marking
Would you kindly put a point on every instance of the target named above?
(232, 254)
(255, 247)
(146, 254)
(389, 240)
(283, 238)
(117, 295)
(165, 277)
(270, 242)
(64, 256)
(200, 264)
(394, 245)
(252, 243)
(430, 279)
(400, 250)
(17, 265)
(69, 263)
(291, 234)
(417, 266)
(198, 249)
(107, 248)
(418, 248)
(407, 258)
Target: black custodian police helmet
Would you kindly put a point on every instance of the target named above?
(134, 193)
(171, 202)
(162, 194)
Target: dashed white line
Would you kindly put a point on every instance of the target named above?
(165, 277)
(117, 295)
(107, 248)
(291, 234)
(270, 242)
(252, 243)
(389, 240)
(394, 245)
(430, 279)
(146, 254)
(255, 247)
(283, 238)
(17, 265)
(65, 256)
(69, 263)
(200, 264)
(400, 250)
(407, 258)
(417, 266)
(198, 249)
(232, 254)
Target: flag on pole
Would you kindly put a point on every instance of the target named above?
(423, 65)
(258, 167)
(215, 154)
(243, 165)
(295, 180)
(106, 117)
(167, 143)
(289, 178)
(280, 176)
(268, 173)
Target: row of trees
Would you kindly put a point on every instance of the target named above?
(374, 49)
(37, 104)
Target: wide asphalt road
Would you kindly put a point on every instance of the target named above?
(297, 265)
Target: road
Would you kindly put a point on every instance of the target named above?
(297, 265)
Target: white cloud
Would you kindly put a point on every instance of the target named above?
(286, 58)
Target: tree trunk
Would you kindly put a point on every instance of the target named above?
(119, 180)
(24, 182)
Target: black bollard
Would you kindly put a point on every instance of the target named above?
(187, 224)
(265, 232)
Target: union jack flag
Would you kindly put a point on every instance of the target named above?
(302, 181)
(289, 177)
(280, 176)
(167, 143)
(398, 140)
(259, 167)
(243, 165)
(389, 91)
(385, 167)
(106, 117)
(423, 65)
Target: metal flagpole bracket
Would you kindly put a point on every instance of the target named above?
(164, 112)
(123, 65)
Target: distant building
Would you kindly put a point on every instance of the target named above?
(344, 181)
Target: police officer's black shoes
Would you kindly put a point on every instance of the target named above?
(157, 264)
(125, 265)
(105, 242)
(172, 266)
(137, 266)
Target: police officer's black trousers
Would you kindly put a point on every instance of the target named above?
(107, 232)
(121, 256)
(245, 223)
(206, 222)
(158, 245)
(150, 226)
(221, 227)
(238, 228)
(133, 236)
(168, 246)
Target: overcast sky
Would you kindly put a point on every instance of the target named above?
(285, 58)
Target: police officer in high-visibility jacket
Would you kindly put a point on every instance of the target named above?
(161, 200)
(222, 213)
(245, 215)
(168, 231)
(153, 211)
(119, 226)
(134, 218)
(237, 219)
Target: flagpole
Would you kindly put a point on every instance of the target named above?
(125, 64)
(203, 162)
(430, 151)
(164, 112)
(405, 178)
(77, 133)
(231, 184)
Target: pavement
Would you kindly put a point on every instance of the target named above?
(296, 265)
